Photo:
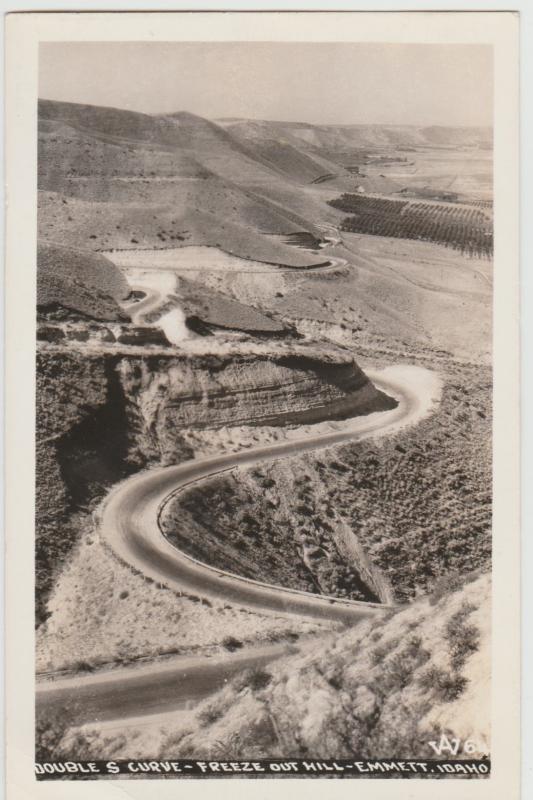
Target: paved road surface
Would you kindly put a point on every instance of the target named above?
(135, 691)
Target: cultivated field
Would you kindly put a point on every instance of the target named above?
(462, 227)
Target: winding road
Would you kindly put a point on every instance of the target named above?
(129, 523)
(155, 297)
(137, 309)
(128, 520)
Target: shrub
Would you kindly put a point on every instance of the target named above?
(49, 730)
(253, 678)
(446, 685)
(396, 672)
(413, 646)
(231, 643)
(463, 639)
(209, 715)
(445, 585)
(464, 642)
(51, 724)
(83, 666)
(378, 653)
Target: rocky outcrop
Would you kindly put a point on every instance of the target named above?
(211, 392)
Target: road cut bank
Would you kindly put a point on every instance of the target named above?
(353, 768)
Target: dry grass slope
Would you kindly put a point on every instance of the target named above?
(78, 281)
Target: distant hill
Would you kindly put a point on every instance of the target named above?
(357, 136)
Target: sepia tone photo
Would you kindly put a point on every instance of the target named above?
(264, 410)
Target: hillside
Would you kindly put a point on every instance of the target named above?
(380, 689)
(342, 136)
(208, 310)
(377, 690)
(113, 179)
(78, 281)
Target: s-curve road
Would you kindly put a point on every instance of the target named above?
(128, 522)
(137, 310)
(155, 298)
(129, 518)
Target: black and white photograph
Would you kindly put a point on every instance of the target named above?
(264, 410)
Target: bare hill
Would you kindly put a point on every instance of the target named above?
(342, 136)
(133, 178)
(117, 179)
(78, 281)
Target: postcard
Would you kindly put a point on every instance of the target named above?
(262, 377)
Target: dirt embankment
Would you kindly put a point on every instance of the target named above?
(82, 446)
(101, 416)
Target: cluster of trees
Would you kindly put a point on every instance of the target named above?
(466, 214)
(482, 203)
(466, 229)
(361, 204)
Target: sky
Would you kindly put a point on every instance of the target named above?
(321, 83)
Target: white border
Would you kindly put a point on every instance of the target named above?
(501, 29)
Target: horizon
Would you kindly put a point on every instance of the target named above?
(323, 83)
(273, 121)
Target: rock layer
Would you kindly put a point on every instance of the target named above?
(174, 392)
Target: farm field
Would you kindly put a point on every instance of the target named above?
(461, 227)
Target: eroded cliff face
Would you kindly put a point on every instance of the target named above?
(171, 394)
(83, 445)
(103, 415)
